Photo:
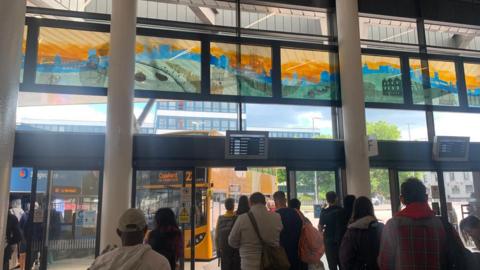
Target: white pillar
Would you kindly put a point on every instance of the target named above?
(119, 136)
(353, 106)
(12, 21)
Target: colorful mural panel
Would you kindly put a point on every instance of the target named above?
(382, 79)
(472, 80)
(252, 78)
(24, 49)
(309, 74)
(443, 83)
(72, 57)
(166, 64)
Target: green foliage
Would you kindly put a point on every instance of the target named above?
(380, 182)
(305, 181)
(384, 130)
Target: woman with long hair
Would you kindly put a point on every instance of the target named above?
(361, 243)
(166, 238)
(243, 205)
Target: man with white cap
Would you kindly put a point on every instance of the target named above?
(133, 255)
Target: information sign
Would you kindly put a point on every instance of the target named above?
(246, 145)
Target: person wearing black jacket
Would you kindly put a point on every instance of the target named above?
(361, 243)
(13, 237)
(332, 224)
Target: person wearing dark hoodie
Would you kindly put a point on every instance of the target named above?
(361, 243)
(166, 238)
(133, 255)
(414, 238)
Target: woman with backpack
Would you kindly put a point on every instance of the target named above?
(361, 243)
(167, 238)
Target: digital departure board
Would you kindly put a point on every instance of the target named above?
(450, 148)
(246, 145)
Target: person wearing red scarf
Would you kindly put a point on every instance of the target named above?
(414, 238)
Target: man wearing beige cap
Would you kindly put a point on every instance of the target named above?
(133, 255)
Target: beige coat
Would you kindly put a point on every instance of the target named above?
(243, 235)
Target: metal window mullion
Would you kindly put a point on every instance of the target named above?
(31, 53)
(461, 84)
(394, 182)
(406, 80)
(442, 191)
(99, 213)
(276, 71)
(205, 68)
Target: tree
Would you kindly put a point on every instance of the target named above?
(384, 130)
(379, 177)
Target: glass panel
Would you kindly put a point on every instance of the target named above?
(382, 79)
(253, 78)
(290, 121)
(397, 125)
(463, 198)
(381, 199)
(472, 80)
(166, 64)
(309, 74)
(24, 50)
(457, 124)
(388, 30)
(452, 36)
(72, 57)
(430, 180)
(72, 226)
(61, 113)
(19, 198)
(443, 83)
(312, 186)
(38, 226)
(187, 117)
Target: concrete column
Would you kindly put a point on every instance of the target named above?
(12, 21)
(353, 106)
(119, 136)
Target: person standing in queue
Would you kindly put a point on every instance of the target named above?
(361, 243)
(228, 256)
(292, 227)
(332, 225)
(244, 236)
(166, 238)
(243, 205)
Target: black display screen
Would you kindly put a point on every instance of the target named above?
(246, 145)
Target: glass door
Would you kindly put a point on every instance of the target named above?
(310, 187)
(63, 224)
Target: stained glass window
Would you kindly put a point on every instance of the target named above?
(309, 74)
(472, 80)
(382, 79)
(166, 64)
(253, 78)
(72, 57)
(443, 83)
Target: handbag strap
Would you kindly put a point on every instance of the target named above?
(255, 226)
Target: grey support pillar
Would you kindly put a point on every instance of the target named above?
(119, 136)
(353, 106)
(12, 21)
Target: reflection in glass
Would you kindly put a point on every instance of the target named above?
(311, 187)
(462, 200)
(309, 74)
(472, 80)
(24, 50)
(381, 200)
(253, 78)
(166, 64)
(457, 124)
(382, 79)
(443, 83)
(290, 121)
(396, 125)
(72, 57)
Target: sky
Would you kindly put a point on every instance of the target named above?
(287, 117)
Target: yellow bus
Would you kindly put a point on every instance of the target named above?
(163, 188)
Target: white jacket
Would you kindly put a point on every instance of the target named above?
(139, 257)
(243, 235)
